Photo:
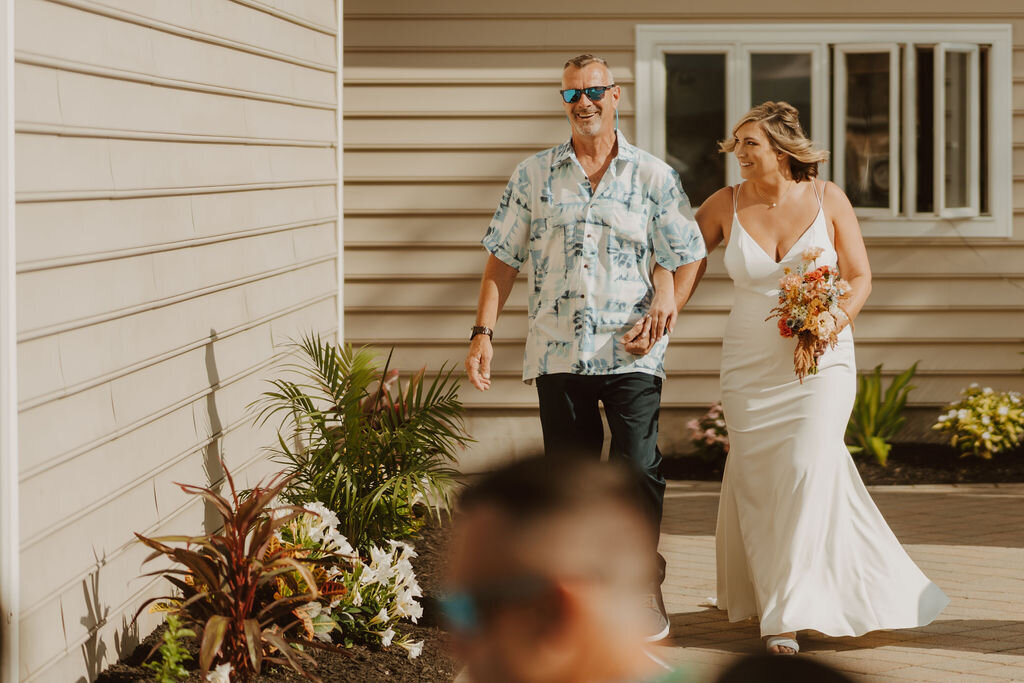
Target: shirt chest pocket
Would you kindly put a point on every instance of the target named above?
(629, 226)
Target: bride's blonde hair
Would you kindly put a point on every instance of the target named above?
(780, 121)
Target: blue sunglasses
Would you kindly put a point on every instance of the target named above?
(466, 611)
(594, 94)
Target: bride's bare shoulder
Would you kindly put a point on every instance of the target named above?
(719, 205)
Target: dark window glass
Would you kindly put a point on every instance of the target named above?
(924, 129)
(695, 121)
(867, 129)
(783, 77)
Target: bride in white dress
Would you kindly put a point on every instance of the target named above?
(800, 544)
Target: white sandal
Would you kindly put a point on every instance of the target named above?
(782, 641)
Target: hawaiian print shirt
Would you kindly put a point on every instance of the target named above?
(592, 255)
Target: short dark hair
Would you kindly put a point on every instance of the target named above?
(580, 61)
(765, 668)
(543, 487)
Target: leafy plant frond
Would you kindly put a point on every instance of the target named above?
(354, 436)
(877, 417)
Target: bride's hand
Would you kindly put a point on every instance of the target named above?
(638, 340)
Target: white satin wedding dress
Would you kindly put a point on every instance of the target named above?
(799, 542)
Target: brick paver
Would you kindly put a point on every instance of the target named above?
(969, 539)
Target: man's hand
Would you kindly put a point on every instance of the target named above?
(478, 362)
(638, 340)
(663, 314)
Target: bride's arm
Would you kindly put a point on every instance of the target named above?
(853, 256)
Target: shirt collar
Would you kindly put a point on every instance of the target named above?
(564, 151)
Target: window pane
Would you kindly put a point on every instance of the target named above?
(695, 121)
(867, 129)
(983, 131)
(955, 142)
(956, 134)
(924, 129)
(783, 77)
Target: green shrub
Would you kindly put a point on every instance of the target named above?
(983, 422)
(352, 437)
(173, 655)
(877, 418)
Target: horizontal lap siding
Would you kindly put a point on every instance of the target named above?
(177, 221)
(442, 101)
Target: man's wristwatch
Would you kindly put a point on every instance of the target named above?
(480, 329)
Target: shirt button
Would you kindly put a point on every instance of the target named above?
(586, 265)
(582, 296)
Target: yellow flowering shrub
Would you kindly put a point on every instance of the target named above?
(983, 421)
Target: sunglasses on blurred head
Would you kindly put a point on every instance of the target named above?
(467, 611)
(593, 94)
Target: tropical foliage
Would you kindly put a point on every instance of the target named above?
(363, 601)
(983, 422)
(240, 587)
(877, 417)
(352, 437)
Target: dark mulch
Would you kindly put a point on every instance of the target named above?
(359, 663)
(909, 463)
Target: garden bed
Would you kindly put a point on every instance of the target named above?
(359, 663)
(909, 463)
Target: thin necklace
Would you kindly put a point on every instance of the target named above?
(770, 203)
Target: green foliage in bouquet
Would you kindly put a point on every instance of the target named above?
(352, 437)
(877, 417)
(240, 589)
(170, 668)
(983, 422)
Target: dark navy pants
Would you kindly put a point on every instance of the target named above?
(571, 420)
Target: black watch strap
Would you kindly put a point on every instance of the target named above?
(480, 329)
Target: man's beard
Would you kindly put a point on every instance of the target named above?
(589, 126)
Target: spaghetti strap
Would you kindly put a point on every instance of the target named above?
(820, 197)
(735, 197)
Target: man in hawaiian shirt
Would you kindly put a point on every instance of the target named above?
(593, 216)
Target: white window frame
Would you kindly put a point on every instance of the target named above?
(654, 41)
(973, 131)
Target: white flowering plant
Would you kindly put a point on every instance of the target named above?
(983, 422)
(709, 434)
(363, 602)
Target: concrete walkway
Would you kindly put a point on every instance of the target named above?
(969, 539)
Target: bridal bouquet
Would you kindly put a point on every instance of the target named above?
(809, 309)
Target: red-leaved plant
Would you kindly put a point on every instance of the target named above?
(239, 586)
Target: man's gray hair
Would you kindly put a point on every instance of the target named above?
(581, 61)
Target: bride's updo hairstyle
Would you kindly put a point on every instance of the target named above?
(780, 121)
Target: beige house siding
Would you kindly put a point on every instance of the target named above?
(443, 99)
(176, 219)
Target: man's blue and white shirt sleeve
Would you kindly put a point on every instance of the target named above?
(676, 237)
(508, 235)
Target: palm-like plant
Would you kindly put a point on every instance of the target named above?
(353, 438)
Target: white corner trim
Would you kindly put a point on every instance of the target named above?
(9, 545)
(340, 153)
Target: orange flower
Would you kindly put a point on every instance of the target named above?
(784, 328)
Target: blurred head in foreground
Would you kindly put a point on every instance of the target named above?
(550, 559)
(766, 668)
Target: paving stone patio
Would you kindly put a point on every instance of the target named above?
(969, 539)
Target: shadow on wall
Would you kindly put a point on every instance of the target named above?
(94, 649)
(212, 453)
